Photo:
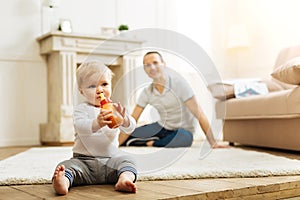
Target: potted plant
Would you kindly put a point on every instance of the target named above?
(123, 27)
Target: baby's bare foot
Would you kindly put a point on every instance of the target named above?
(125, 182)
(59, 181)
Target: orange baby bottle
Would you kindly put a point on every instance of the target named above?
(107, 104)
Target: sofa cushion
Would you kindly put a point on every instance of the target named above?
(288, 72)
(285, 103)
(286, 54)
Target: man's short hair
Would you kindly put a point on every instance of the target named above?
(156, 52)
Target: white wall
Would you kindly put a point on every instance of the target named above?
(272, 25)
(22, 74)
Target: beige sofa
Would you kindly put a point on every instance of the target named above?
(269, 120)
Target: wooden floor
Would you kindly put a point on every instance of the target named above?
(281, 187)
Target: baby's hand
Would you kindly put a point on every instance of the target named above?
(122, 110)
(104, 117)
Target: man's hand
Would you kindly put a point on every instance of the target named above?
(219, 145)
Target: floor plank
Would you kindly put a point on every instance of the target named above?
(6, 152)
(7, 192)
(169, 189)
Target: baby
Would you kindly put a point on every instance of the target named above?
(96, 159)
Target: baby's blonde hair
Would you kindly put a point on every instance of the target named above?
(89, 68)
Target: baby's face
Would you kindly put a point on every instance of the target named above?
(93, 86)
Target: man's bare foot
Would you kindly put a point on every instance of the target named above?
(60, 182)
(125, 182)
(150, 143)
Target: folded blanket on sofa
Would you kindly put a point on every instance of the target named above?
(237, 88)
(249, 88)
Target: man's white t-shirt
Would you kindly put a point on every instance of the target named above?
(171, 103)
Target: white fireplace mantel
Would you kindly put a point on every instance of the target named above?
(63, 53)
